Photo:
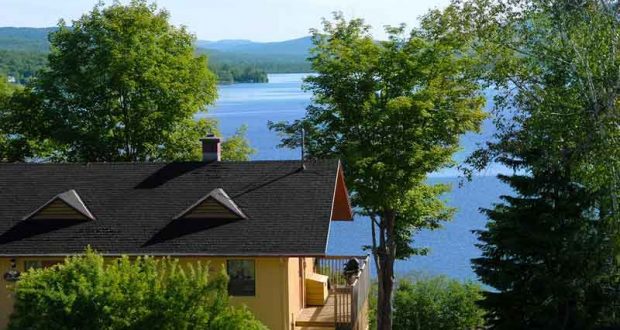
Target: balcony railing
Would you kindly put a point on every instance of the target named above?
(349, 284)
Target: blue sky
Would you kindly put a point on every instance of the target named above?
(258, 20)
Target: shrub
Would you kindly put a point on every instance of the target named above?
(143, 293)
(437, 303)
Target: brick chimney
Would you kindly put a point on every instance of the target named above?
(211, 150)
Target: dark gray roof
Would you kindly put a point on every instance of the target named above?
(288, 210)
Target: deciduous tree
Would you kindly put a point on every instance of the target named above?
(122, 84)
(393, 112)
(555, 67)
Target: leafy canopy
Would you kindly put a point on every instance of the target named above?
(88, 292)
(556, 67)
(437, 303)
(122, 84)
(392, 111)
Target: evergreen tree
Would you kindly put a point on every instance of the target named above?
(546, 252)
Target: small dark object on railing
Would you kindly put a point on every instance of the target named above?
(352, 270)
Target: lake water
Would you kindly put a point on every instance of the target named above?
(451, 248)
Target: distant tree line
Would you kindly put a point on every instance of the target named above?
(23, 65)
(270, 63)
(231, 73)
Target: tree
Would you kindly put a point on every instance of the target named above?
(437, 303)
(122, 84)
(393, 112)
(555, 66)
(88, 292)
(5, 94)
(15, 146)
(546, 252)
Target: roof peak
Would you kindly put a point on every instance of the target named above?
(71, 199)
(219, 196)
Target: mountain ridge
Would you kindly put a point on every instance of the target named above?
(35, 39)
(23, 51)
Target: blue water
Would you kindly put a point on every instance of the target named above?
(451, 248)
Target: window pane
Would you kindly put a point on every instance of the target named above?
(29, 264)
(36, 264)
(242, 277)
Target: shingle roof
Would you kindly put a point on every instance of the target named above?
(288, 210)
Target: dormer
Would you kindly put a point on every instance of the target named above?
(215, 205)
(64, 206)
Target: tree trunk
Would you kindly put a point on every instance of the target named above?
(385, 256)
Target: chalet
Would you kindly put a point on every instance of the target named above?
(266, 222)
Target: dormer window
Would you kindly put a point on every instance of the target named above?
(65, 206)
(215, 205)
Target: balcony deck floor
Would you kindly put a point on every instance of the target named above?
(321, 316)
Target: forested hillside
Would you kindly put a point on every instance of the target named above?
(21, 65)
(23, 52)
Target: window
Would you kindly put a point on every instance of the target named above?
(242, 277)
(36, 264)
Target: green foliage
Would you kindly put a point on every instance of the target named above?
(134, 74)
(553, 64)
(372, 305)
(86, 292)
(122, 85)
(391, 119)
(237, 147)
(437, 303)
(24, 65)
(6, 91)
(13, 147)
(393, 112)
(19, 125)
(23, 52)
(546, 251)
(271, 63)
(21, 65)
(186, 146)
(238, 73)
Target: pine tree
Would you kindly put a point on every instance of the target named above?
(546, 254)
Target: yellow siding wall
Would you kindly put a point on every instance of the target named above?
(277, 288)
(294, 290)
(6, 298)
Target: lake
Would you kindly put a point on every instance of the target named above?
(451, 248)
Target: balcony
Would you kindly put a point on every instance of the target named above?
(346, 306)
